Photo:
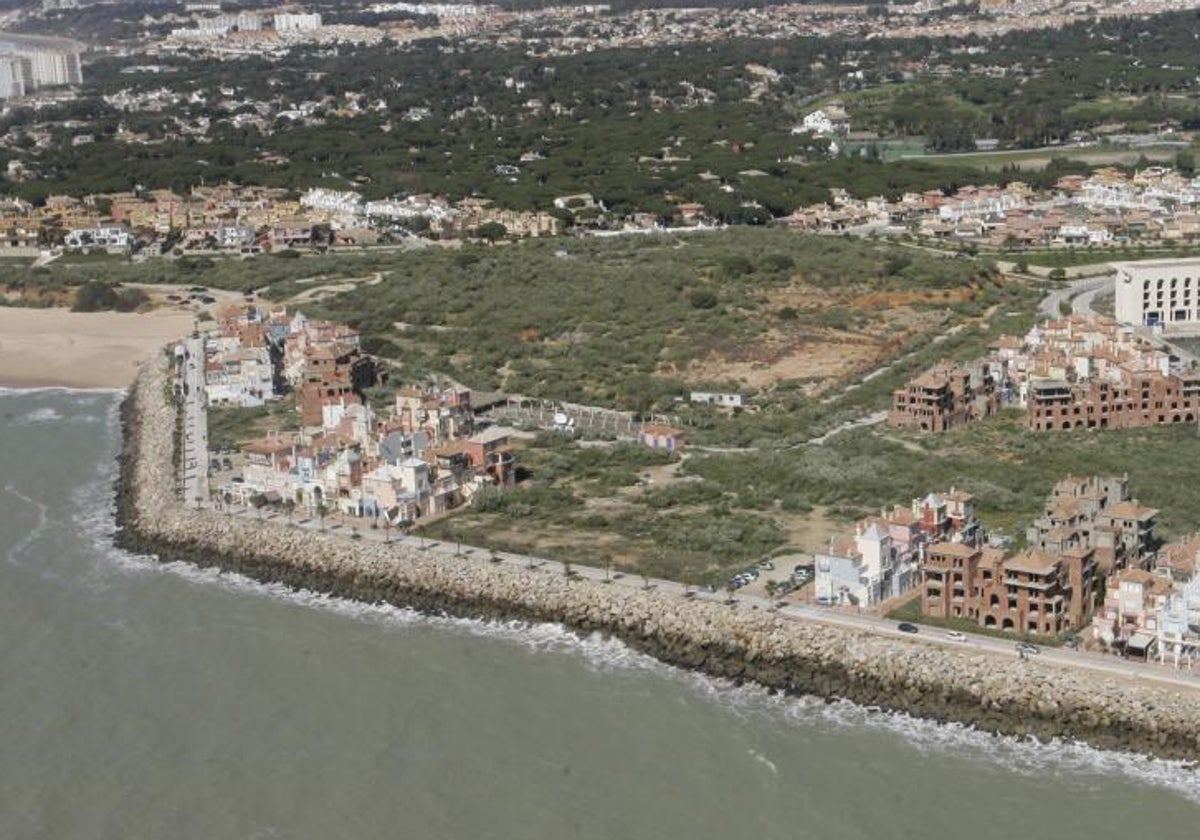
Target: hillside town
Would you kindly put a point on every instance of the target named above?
(421, 457)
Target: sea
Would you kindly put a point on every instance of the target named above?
(143, 700)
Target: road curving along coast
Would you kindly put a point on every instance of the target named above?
(999, 694)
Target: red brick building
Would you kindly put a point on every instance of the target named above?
(1138, 399)
(947, 395)
(1034, 592)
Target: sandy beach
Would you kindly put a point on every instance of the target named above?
(44, 347)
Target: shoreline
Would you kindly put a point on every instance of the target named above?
(41, 383)
(992, 694)
(57, 348)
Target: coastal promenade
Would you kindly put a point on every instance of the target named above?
(194, 469)
(194, 461)
(1099, 663)
(787, 650)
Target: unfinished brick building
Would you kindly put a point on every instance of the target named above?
(947, 395)
(1136, 398)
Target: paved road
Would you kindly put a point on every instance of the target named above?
(195, 478)
(1081, 294)
(195, 426)
(1102, 663)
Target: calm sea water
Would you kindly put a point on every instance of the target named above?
(141, 701)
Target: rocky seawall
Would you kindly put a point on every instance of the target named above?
(994, 693)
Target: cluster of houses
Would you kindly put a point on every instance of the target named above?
(1077, 372)
(1091, 561)
(882, 559)
(260, 355)
(345, 210)
(424, 458)
(1108, 207)
(233, 219)
(226, 218)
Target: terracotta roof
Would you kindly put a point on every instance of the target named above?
(1135, 576)
(1033, 560)
(454, 447)
(1129, 510)
(1181, 555)
(952, 549)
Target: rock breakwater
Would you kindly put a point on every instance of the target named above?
(991, 692)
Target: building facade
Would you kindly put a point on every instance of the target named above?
(1158, 293)
(1034, 592)
(948, 395)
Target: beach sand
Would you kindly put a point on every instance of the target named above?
(41, 347)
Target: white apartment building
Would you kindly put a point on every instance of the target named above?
(16, 76)
(1162, 293)
(24, 70)
(50, 68)
(285, 21)
(109, 238)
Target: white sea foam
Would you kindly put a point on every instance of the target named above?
(1059, 758)
(607, 655)
(94, 515)
(14, 552)
(764, 761)
(10, 391)
(43, 415)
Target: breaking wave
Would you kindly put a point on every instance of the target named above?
(94, 514)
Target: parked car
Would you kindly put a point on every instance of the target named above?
(1027, 648)
(905, 627)
(956, 636)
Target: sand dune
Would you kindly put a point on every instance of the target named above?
(41, 347)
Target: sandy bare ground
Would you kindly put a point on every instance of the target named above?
(81, 350)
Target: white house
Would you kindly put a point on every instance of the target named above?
(718, 399)
(110, 238)
(863, 573)
(831, 119)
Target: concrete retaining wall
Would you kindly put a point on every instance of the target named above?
(994, 693)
